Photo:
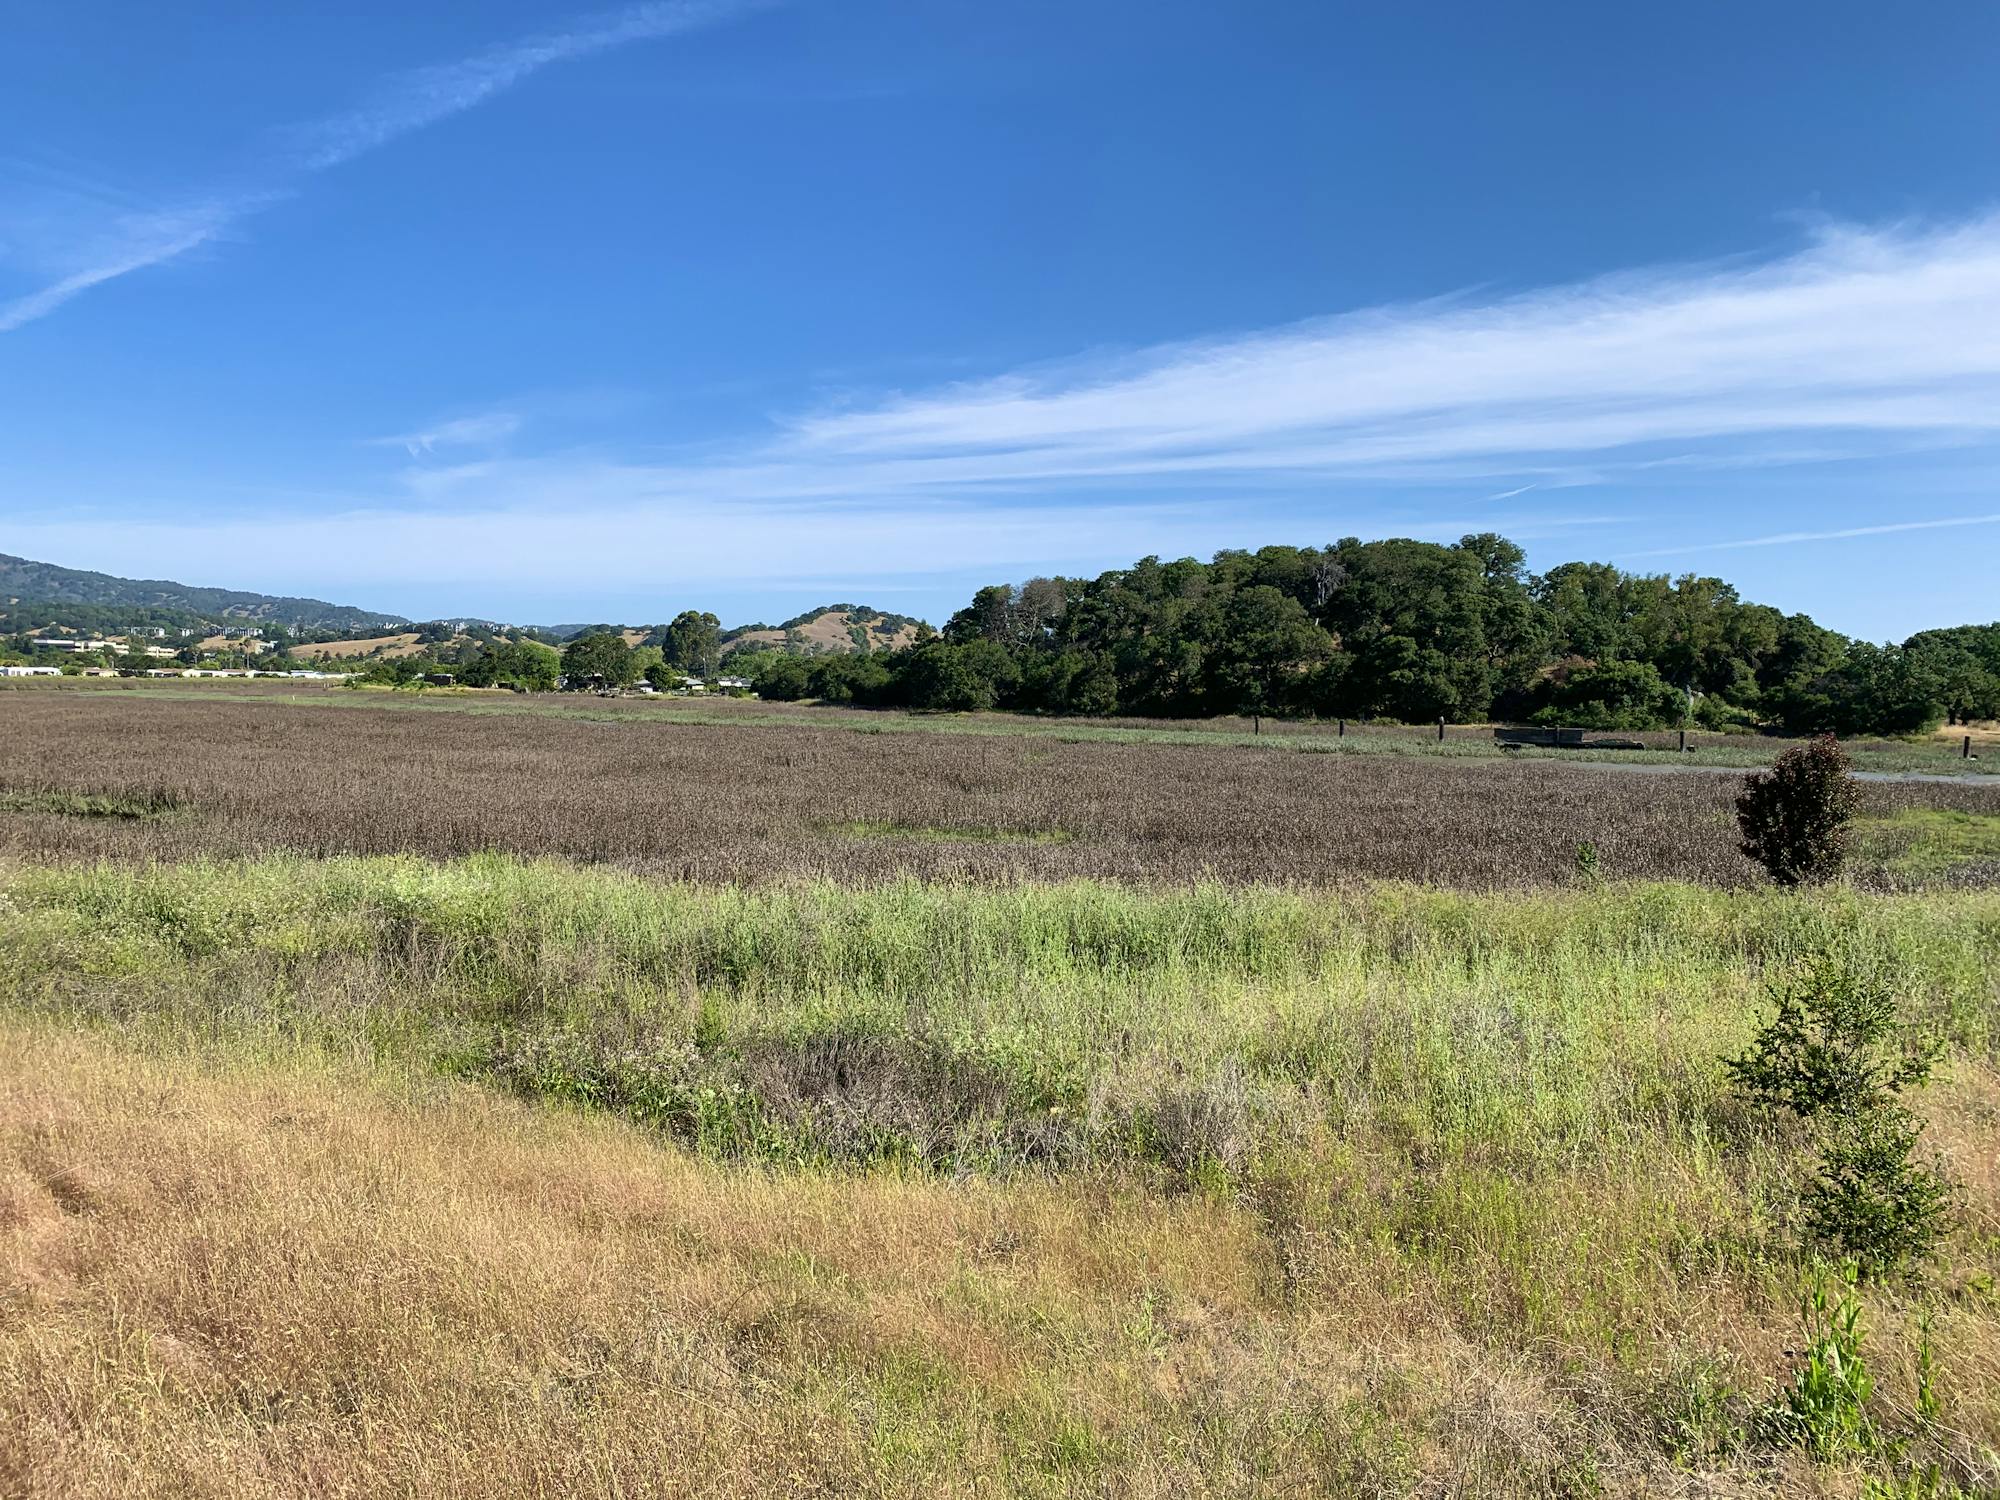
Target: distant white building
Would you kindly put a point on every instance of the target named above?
(70, 643)
(30, 672)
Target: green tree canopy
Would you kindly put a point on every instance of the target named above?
(599, 659)
(1410, 630)
(694, 643)
(524, 664)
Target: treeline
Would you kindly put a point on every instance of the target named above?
(28, 617)
(595, 656)
(1412, 631)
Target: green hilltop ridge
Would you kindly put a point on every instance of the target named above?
(29, 590)
(840, 628)
(830, 629)
(38, 597)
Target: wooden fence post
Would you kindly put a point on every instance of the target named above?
(1440, 729)
(1342, 734)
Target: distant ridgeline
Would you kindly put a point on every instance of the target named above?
(1413, 631)
(1393, 629)
(36, 594)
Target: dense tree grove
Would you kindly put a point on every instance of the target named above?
(524, 664)
(1387, 630)
(1414, 631)
(602, 657)
(693, 643)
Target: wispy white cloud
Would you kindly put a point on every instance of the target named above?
(406, 102)
(1859, 345)
(138, 241)
(1892, 333)
(1787, 538)
(412, 100)
(482, 430)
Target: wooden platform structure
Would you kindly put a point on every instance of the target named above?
(1541, 737)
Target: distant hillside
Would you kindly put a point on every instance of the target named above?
(28, 589)
(829, 630)
(36, 595)
(403, 643)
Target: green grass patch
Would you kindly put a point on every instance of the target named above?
(66, 804)
(1493, 1123)
(1204, 1031)
(934, 833)
(1925, 842)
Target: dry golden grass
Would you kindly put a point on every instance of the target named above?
(1985, 735)
(406, 644)
(220, 1280)
(830, 631)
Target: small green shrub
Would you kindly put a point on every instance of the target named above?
(1702, 1413)
(1832, 1408)
(1588, 870)
(1873, 1201)
(1794, 817)
(711, 1031)
(1825, 1408)
(1719, 716)
(1836, 1044)
(1837, 1053)
(1930, 1406)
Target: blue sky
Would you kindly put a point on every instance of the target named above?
(545, 314)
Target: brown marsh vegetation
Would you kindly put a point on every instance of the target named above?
(722, 801)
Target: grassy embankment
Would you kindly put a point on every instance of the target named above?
(392, 1177)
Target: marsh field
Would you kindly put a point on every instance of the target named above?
(480, 1096)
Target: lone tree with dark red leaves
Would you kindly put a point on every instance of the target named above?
(1794, 816)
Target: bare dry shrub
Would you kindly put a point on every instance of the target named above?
(862, 1095)
(1203, 1126)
